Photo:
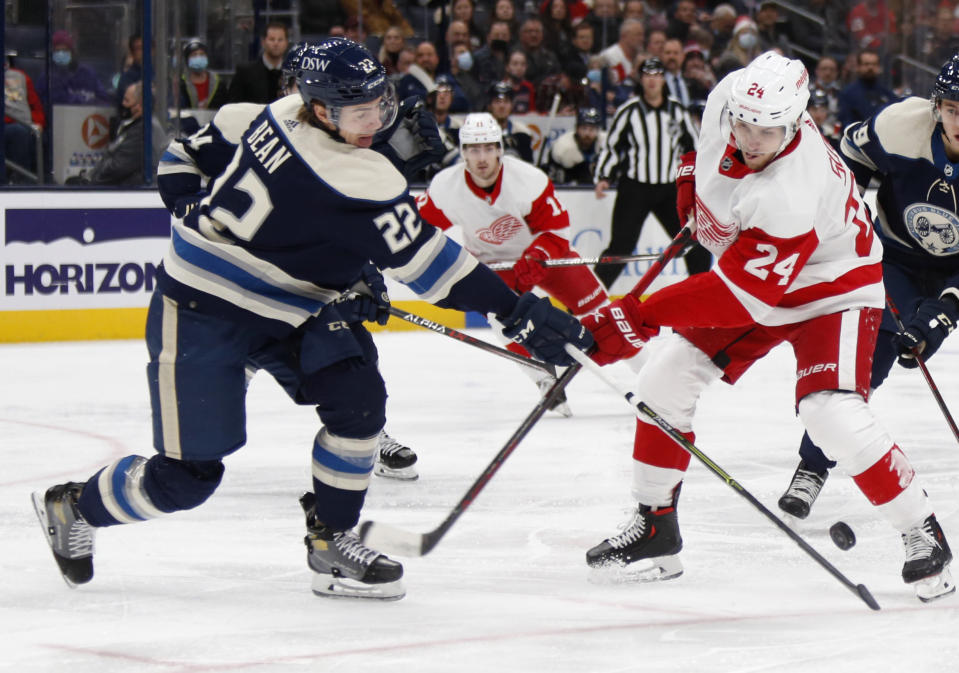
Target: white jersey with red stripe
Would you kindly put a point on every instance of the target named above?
(500, 224)
(794, 240)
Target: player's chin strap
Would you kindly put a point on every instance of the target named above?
(925, 372)
(641, 409)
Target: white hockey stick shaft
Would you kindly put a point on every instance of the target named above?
(544, 139)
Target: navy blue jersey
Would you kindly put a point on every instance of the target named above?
(291, 219)
(901, 147)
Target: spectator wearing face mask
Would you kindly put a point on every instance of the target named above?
(199, 87)
(71, 82)
(122, 162)
(468, 94)
(489, 61)
(741, 50)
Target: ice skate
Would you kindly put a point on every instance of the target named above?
(544, 382)
(803, 491)
(646, 551)
(394, 460)
(69, 536)
(343, 567)
(927, 561)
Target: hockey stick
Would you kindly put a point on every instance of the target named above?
(578, 261)
(467, 339)
(676, 247)
(641, 409)
(407, 543)
(925, 372)
(553, 109)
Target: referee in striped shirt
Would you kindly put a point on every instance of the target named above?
(648, 135)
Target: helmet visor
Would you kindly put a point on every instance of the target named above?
(753, 139)
(368, 117)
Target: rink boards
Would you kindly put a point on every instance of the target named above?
(80, 265)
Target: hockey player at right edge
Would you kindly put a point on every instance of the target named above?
(798, 262)
(911, 148)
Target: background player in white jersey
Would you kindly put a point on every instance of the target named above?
(911, 148)
(797, 262)
(508, 211)
(251, 279)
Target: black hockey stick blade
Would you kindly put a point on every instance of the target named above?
(395, 540)
(867, 596)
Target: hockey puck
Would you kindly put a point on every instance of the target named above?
(842, 535)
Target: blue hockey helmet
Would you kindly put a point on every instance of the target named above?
(291, 67)
(340, 73)
(947, 82)
(588, 116)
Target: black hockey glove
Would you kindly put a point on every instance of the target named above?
(932, 322)
(545, 330)
(186, 204)
(369, 300)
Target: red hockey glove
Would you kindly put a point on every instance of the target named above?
(686, 187)
(618, 330)
(528, 270)
(547, 245)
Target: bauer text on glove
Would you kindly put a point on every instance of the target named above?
(618, 330)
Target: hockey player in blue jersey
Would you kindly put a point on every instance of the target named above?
(184, 173)
(251, 279)
(911, 149)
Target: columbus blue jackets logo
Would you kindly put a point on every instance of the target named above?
(502, 230)
(935, 229)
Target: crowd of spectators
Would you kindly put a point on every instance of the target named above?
(545, 56)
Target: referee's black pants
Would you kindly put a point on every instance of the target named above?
(634, 202)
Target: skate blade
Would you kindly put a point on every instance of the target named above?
(658, 569)
(935, 587)
(562, 409)
(40, 508)
(341, 587)
(402, 474)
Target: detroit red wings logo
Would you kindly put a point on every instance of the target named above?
(710, 232)
(502, 230)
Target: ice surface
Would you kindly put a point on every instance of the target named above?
(225, 587)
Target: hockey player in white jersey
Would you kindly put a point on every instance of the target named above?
(508, 211)
(798, 262)
(911, 149)
(253, 277)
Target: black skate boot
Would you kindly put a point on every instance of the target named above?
(650, 539)
(343, 567)
(927, 561)
(69, 536)
(803, 491)
(394, 460)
